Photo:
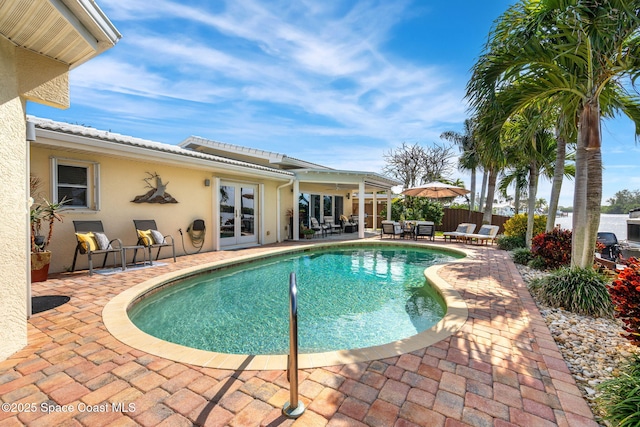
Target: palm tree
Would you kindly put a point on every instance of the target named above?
(491, 152)
(574, 54)
(469, 159)
(532, 143)
(516, 176)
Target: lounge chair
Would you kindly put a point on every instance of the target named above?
(315, 226)
(424, 229)
(150, 237)
(93, 241)
(392, 228)
(486, 233)
(331, 225)
(464, 228)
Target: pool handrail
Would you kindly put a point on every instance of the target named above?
(293, 408)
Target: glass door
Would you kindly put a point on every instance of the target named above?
(237, 214)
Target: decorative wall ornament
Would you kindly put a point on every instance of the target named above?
(157, 193)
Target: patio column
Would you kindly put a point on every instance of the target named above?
(216, 213)
(361, 196)
(296, 210)
(375, 210)
(388, 204)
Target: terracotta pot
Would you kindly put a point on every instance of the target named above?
(40, 266)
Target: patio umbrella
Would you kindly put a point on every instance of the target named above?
(435, 190)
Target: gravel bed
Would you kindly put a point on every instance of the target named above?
(592, 347)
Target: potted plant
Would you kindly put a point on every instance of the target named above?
(308, 232)
(44, 212)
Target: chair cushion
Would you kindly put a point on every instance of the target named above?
(102, 241)
(157, 236)
(88, 241)
(461, 229)
(485, 230)
(145, 237)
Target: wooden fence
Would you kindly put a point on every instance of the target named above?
(453, 217)
(450, 220)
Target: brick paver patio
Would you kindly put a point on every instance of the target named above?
(501, 369)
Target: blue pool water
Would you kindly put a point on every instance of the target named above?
(347, 298)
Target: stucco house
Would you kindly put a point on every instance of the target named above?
(40, 42)
(244, 196)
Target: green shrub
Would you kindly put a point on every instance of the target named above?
(509, 243)
(620, 398)
(521, 256)
(553, 247)
(537, 262)
(581, 291)
(517, 225)
(415, 208)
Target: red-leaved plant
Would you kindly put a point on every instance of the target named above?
(553, 247)
(625, 295)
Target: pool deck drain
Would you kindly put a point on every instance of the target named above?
(501, 368)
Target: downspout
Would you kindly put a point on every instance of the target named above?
(278, 210)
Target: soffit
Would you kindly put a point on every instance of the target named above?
(346, 179)
(69, 31)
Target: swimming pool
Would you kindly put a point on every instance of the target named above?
(116, 319)
(348, 298)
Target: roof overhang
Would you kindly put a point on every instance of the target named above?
(253, 154)
(347, 179)
(68, 31)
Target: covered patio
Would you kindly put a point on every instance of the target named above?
(502, 368)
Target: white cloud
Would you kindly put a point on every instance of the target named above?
(289, 56)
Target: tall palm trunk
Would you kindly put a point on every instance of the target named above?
(472, 198)
(579, 203)
(516, 201)
(531, 208)
(556, 186)
(483, 190)
(491, 189)
(594, 185)
(588, 188)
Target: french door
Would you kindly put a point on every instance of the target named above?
(238, 211)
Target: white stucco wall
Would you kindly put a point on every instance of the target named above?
(121, 180)
(13, 201)
(23, 75)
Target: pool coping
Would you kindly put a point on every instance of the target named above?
(117, 321)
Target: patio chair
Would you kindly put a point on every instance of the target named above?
(392, 228)
(315, 225)
(424, 229)
(486, 233)
(347, 225)
(331, 225)
(463, 228)
(93, 241)
(150, 237)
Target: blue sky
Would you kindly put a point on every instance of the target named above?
(339, 83)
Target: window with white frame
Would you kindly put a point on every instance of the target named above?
(77, 181)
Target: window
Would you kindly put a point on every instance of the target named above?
(76, 181)
(328, 210)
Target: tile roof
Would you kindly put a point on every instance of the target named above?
(125, 140)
